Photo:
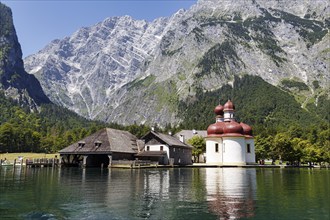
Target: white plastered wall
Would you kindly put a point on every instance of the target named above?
(250, 157)
(213, 157)
(156, 147)
(234, 150)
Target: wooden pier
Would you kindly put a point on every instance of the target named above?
(43, 162)
(40, 162)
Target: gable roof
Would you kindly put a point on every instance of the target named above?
(188, 134)
(167, 139)
(104, 141)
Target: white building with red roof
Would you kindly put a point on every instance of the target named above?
(229, 142)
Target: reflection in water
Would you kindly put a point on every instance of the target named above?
(179, 193)
(156, 193)
(155, 189)
(140, 190)
(231, 192)
(73, 193)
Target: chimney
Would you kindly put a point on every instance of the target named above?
(182, 138)
(140, 145)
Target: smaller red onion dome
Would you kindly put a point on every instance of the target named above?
(232, 127)
(229, 106)
(215, 129)
(246, 129)
(218, 110)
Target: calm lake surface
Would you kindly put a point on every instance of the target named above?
(177, 193)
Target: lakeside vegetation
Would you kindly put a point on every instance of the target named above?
(46, 131)
(282, 128)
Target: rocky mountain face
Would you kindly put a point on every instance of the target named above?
(123, 70)
(83, 71)
(14, 81)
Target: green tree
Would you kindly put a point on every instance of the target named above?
(36, 138)
(298, 149)
(282, 147)
(7, 137)
(310, 153)
(199, 146)
(263, 147)
(295, 131)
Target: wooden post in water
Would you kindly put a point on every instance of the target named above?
(84, 161)
(14, 163)
(110, 160)
(60, 161)
(26, 164)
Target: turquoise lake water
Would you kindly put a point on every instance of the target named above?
(176, 193)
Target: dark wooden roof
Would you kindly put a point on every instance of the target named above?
(104, 141)
(166, 139)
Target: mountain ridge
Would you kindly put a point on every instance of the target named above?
(128, 71)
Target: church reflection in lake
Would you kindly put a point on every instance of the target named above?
(228, 193)
(231, 192)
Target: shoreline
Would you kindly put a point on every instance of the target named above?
(52, 161)
(216, 166)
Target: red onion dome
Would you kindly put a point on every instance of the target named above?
(215, 129)
(218, 110)
(232, 127)
(229, 106)
(247, 130)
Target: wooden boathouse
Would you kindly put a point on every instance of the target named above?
(100, 149)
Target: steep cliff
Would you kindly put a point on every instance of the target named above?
(14, 80)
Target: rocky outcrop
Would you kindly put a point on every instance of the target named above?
(14, 81)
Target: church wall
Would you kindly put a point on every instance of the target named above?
(211, 155)
(250, 157)
(234, 151)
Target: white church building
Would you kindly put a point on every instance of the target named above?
(229, 142)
